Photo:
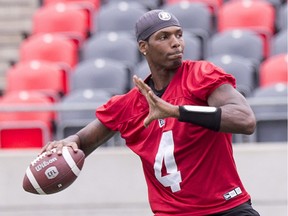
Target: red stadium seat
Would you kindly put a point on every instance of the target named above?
(41, 76)
(274, 70)
(62, 18)
(255, 15)
(49, 47)
(96, 3)
(24, 129)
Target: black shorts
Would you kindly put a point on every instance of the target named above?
(244, 209)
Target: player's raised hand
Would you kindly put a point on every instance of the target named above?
(158, 108)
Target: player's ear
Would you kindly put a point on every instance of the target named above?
(143, 46)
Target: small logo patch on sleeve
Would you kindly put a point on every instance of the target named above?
(233, 193)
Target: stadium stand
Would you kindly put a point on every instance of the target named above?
(118, 17)
(96, 3)
(69, 19)
(271, 117)
(22, 128)
(142, 69)
(119, 46)
(15, 22)
(243, 69)
(273, 70)
(149, 4)
(281, 18)
(45, 77)
(194, 47)
(237, 42)
(109, 75)
(49, 47)
(279, 42)
(71, 121)
(242, 14)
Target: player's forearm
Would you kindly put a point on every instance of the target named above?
(92, 136)
(237, 119)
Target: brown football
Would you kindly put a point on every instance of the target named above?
(54, 173)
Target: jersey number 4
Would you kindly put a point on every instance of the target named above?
(166, 154)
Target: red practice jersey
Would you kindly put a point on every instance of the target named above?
(189, 169)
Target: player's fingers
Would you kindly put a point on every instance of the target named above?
(74, 146)
(144, 88)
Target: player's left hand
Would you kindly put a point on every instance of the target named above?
(158, 108)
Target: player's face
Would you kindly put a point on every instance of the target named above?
(165, 48)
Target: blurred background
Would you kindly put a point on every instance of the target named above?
(61, 59)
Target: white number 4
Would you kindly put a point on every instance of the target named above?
(166, 153)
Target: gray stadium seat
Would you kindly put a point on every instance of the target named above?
(142, 69)
(113, 45)
(109, 75)
(244, 43)
(194, 49)
(150, 4)
(243, 69)
(270, 107)
(279, 43)
(281, 19)
(117, 17)
(84, 103)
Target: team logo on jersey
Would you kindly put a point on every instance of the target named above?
(164, 16)
(161, 122)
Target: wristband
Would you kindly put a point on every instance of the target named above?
(205, 116)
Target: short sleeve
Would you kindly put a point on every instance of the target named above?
(204, 77)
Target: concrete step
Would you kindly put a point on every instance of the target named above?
(19, 25)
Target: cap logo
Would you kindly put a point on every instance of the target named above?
(164, 16)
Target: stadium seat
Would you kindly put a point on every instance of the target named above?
(282, 17)
(240, 42)
(84, 102)
(269, 104)
(113, 45)
(194, 17)
(117, 17)
(142, 69)
(49, 47)
(241, 68)
(96, 3)
(273, 70)
(259, 16)
(194, 48)
(214, 5)
(149, 4)
(109, 75)
(23, 128)
(62, 18)
(40, 76)
(279, 43)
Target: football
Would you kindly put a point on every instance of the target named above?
(53, 173)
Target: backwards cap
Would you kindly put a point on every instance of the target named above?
(153, 21)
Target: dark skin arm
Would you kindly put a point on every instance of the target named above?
(87, 139)
(237, 116)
